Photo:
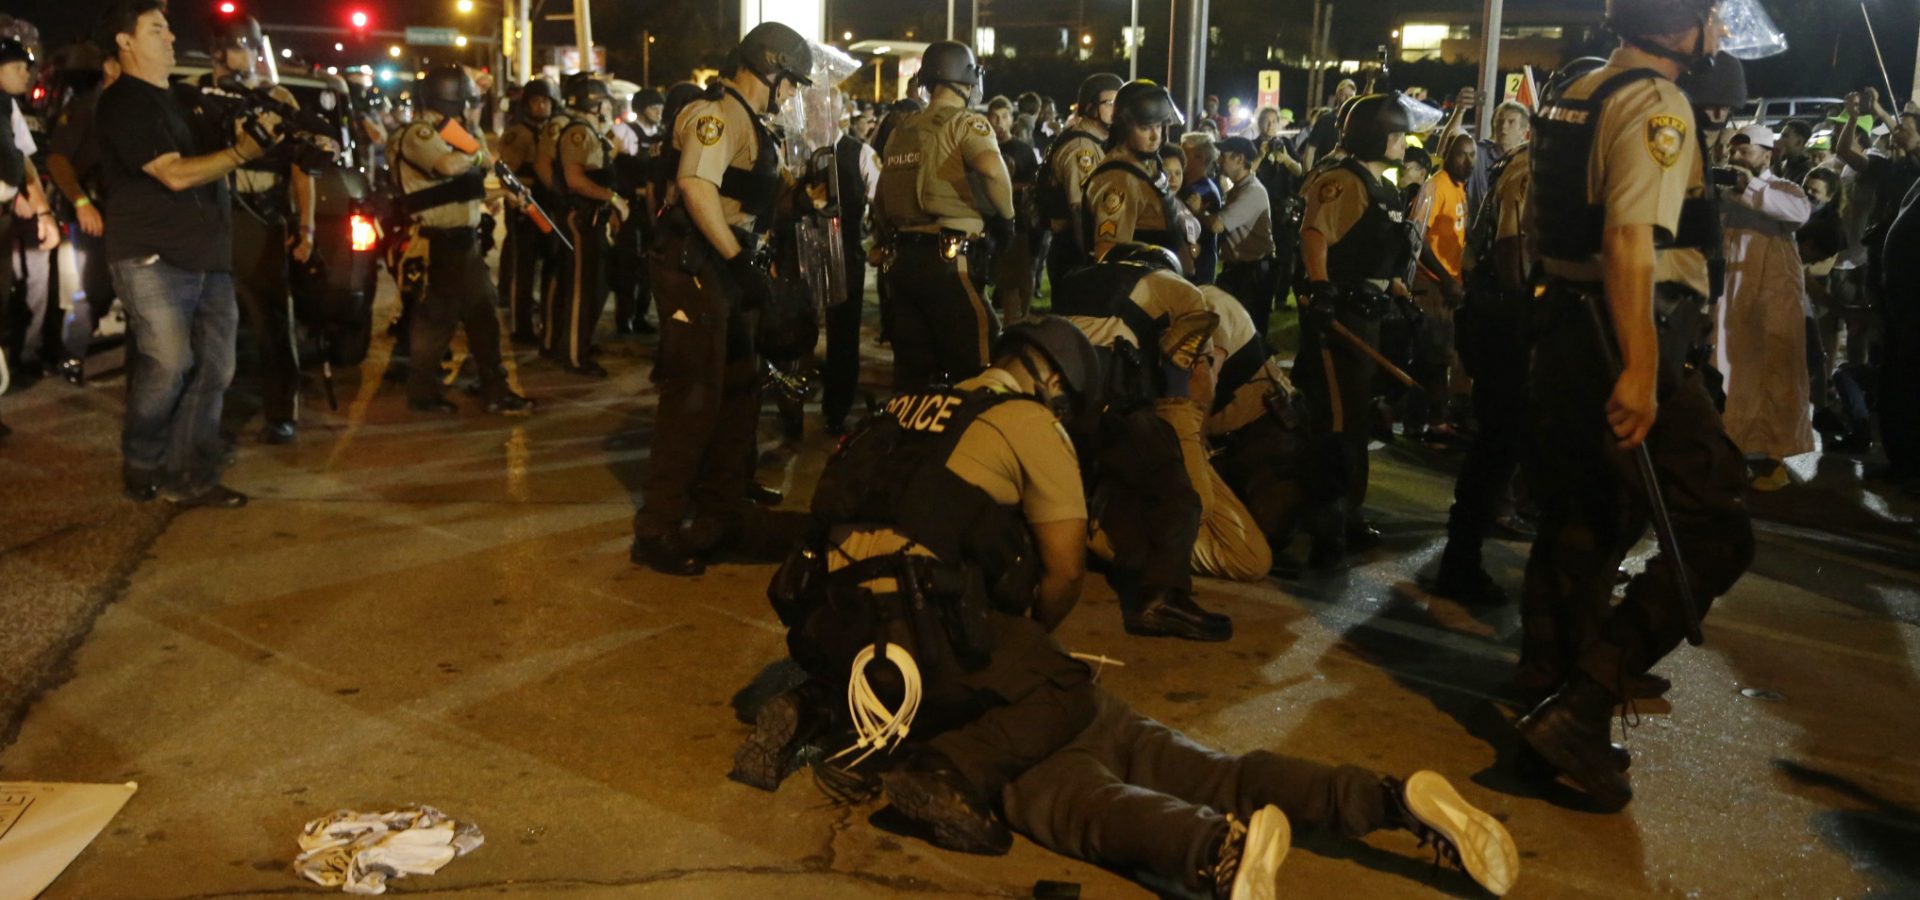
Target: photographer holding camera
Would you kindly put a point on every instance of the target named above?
(170, 248)
(265, 194)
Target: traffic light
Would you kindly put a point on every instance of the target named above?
(359, 20)
(228, 7)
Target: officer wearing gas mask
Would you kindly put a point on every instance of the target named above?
(583, 170)
(943, 207)
(1355, 245)
(956, 522)
(520, 257)
(1128, 197)
(272, 217)
(709, 277)
(443, 190)
(1620, 206)
(1070, 160)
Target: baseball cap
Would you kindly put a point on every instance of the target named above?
(1758, 135)
(1239, 145)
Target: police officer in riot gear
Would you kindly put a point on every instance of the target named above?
(943, 207)
(1069, 162)
(627, 265)
(1625, 270)
(958, 517)
(521, 256)
(550, 190)
(272, 214)
(442, 190)
(709, 278)
(583, 170)
(1355, 245)
(1128, 197)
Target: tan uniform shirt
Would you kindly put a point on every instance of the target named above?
(517, 145)
(580, 145)
(1072, 163)
(1165, 296)
(712, 136)
(1122, 204)
(933, 147)
(1249, 400)
(1645, 163)
(1017, 452)
(1335, 201)
(545, 148)
(421, 148)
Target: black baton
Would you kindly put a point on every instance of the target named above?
(1656, 499)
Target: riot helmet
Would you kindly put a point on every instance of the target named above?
(951, 63)
(1144, 102)
(13, 51)
(1369, 125)
(587, 94)
(537, 89)
(1087, 102)
(229, 32)
(772, 51)
(1722, 85)
(1069, 353)
(1140, 253)
(448, 91)
(1572, 71)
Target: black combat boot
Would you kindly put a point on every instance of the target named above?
(1572, 731)
(1462, 834)
(929, 790)
(781, 728)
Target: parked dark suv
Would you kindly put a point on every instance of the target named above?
(333, 293)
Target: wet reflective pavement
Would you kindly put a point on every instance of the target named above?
(441, 611)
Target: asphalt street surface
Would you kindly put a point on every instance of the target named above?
(441, 611)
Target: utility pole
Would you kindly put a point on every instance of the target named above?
(1489, 67)
(1133, 40)
(1313, 64)
(949, 19)
(583, 32)
(523, 38)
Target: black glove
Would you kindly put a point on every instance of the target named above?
(753, 286)
(1317, 312)
(1000, 234)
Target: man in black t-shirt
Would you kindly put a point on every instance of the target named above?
(169, 248)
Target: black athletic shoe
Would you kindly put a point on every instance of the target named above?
(1247, 864)
(74, 371)
(1460, 833)
(763, 495)
(1174, 614)
(279, 433)
(927, 790)
(1470, 586)
(213, 496)
(588, 369)
(439, 406)
(1572, 731)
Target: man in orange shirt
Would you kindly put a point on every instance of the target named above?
(1442, 208)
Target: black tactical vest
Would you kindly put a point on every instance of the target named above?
(1376, 247)
(1563, 136)
(894, 472)
(1052, 194)
(466, 187)
(1170, 237)
(1238, 370)
(602, 176)
(13, 163)
(757, 190)
(1130, 377)
(525, 172)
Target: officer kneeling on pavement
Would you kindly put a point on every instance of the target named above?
(943, 208)
(918, 587)
(1616, 153)
(949, 536)
(709, 279)
(443, 190)
(1355, 246)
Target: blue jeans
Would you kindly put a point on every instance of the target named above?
(182, 326)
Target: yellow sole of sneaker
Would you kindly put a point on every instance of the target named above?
(1486, 849)
(1268, 839)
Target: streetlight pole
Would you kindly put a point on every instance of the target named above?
(583, 32)
(1489, 66)
(1133, 40)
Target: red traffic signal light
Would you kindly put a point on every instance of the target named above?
(228, 7)
(358, 17)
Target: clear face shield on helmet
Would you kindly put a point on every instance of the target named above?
(812, 118)
(1421, 118)
(1746, 31)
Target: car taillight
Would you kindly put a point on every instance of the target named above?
(361, 229)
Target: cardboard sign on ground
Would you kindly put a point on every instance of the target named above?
(43, 827)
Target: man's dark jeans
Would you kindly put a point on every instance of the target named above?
(182, 325)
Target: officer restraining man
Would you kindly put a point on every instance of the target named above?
(1063, 178)
(1128, 197)
(943, 208)
(708, 281)
(1616, 154)
(521, 256)
(443, 191)
(1355, 245)
(272, 212)
(927, 523)
(1151, 330)
(583, 170)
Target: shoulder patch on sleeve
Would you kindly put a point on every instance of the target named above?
(1665, 135)
(576, 137)
(421, 132)
(980, 126)
(1330, 190)
(1083, 160)
(1110, 204)
(708, 130)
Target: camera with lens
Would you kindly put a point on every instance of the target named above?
(1725, 176)
(301, 137)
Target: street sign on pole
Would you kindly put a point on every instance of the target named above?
(1269, 88)
(431, 37)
